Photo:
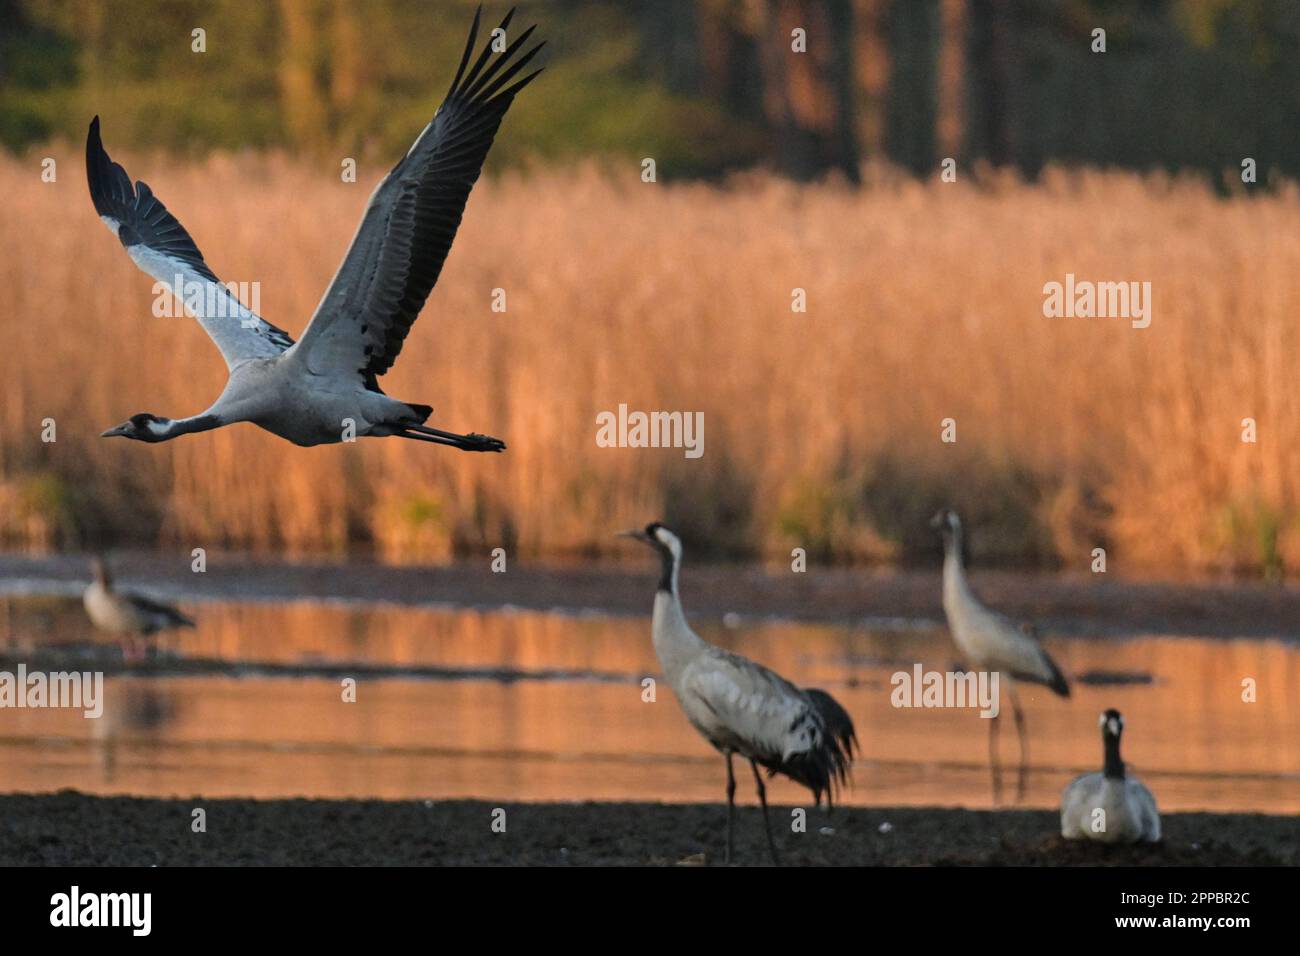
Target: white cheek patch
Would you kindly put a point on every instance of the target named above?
(1114, 727)
(670, 541)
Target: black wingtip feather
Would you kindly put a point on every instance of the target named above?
(469, 48)
(490, 92)
(109, 184)
(477, 84)
(140, 216)
(473, 90)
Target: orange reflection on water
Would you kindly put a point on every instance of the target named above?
(553, 710)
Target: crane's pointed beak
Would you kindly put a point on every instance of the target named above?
(636, 534)
(115, 431)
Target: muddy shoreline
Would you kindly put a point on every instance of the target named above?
(1088, 605)
(70, 828)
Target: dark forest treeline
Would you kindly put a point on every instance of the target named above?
(701, 85)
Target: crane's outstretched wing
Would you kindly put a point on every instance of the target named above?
(408, 227)
(163, 249)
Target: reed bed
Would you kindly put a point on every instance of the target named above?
(822, 429)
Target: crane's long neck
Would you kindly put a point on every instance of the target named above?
(675, 643)
(1114, 766)
(175, 427)
(955, 587)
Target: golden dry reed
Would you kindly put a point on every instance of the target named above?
(924, 302)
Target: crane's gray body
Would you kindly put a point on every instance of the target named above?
(989, 640)
(734, 703)
(279, 395)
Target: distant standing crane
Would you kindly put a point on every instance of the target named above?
(742, 707)
(992, 642)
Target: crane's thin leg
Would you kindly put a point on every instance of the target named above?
(1024, 746)
(993, 760)
(731, 803)
(428, 438)
(767, 825)
(470, 442)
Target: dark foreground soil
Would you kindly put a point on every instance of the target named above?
(75, 829)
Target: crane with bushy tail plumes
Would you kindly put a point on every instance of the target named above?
(741, 707)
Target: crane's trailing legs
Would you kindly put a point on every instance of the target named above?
(470, 442)
(767, 824)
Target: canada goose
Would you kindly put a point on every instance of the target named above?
(1110, 806)
(127, 614)
(989, 641)
(742, 707)
(325, 388)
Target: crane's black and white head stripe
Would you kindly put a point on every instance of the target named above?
(946, 521)
(948, 525)
(665, 539)
(143, 426)
(1112, 723)
(669, 548)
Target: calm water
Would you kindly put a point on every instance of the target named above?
(516, 705)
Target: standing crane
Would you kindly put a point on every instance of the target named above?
(993, 642)
(741, 707)
(1110, 806)
(325, 387)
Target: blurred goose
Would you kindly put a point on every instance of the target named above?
(129, 615)
(991, 642)
(1110, 806)
(742, 707)
(325, 387)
